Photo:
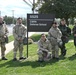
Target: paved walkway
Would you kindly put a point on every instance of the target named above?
(9, 47)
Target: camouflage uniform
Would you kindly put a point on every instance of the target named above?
(44, 50)
(3, 32)
(19, 31)
(53, 35)
(66, 32)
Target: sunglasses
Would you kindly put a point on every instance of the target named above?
(54, 23)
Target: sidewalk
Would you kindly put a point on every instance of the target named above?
(9, 47)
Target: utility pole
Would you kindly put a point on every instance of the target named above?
(33, 8)
(13, 16)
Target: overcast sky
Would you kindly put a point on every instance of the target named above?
(19, 7)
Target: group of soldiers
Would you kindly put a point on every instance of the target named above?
(58, 36)
(48, 47)
(19, 33)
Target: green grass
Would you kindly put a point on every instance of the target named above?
(71, 26)
(65, 66)
(35, 37)
(11, 38)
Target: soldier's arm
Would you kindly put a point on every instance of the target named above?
(59, 32)
(24, 33)
(6, 30)
(68, 30)
(14, 33)
(50, 37)
(40, 46)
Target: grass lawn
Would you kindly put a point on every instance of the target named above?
(11, 38)
(65, 66)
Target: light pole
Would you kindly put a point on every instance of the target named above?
(33, 8)
(13, 16)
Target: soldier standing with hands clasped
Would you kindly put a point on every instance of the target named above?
(3, 32)
(19, 32)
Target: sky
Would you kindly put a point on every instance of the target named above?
(18, 8)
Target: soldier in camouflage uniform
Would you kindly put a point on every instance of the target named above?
(3, 32)
(19, 32)
(54, 36)
(44, 48)
(66, 31)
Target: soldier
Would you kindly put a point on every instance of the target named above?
(19, 32)
(54, 36)
(3, 32)
(66, 31)
(44, 48)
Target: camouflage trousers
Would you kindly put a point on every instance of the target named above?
(18, 46)
(3, 48)
(45, 56)
(55, 51)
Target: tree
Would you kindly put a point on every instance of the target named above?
(24, 21)
(9, 20)
(61, 8)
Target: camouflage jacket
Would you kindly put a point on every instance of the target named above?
(19, 31)
(53, 35)
(3, 30)
(44, 45)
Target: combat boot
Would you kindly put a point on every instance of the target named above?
(22, 58)
(15, 59)
(3, 58)
(64, 53)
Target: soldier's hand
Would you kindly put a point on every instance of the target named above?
(20, 40)
(4, 36)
